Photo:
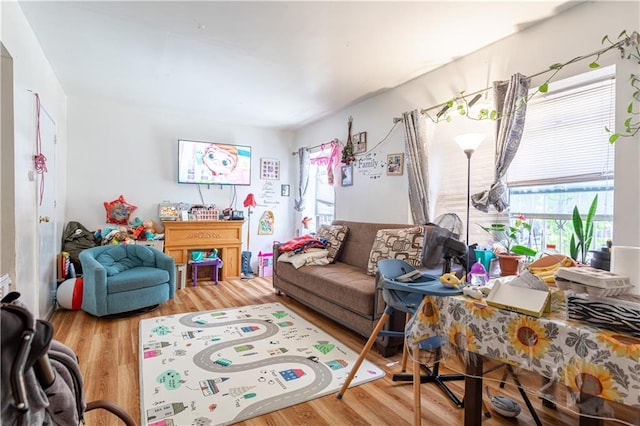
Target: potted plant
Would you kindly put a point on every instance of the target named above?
(582, 232)
(509, 238)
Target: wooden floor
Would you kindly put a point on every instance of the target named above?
(108, 353)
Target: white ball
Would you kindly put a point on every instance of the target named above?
(69, 294)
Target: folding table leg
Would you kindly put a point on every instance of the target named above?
(417, 417)
(367, 347)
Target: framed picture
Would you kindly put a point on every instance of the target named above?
(360, 143)
(346, 175)
(285, 190)
(395, 164)
(269, 169)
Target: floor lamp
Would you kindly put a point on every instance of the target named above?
(469, 142)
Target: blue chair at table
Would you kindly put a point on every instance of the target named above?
(126, 277)
(406, 297)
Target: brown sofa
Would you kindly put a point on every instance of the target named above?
(342, 290)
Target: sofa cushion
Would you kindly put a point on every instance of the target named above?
(404, 244)
(339, 283)
(335, 235)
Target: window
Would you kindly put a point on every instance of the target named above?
(320, 195)
(565, 159)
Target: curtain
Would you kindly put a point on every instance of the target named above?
(303, 183)
(511, 105)
(417, 166)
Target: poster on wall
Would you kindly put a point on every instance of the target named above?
(395, 164)
(269, 169)
(346, 174)
(265, 225)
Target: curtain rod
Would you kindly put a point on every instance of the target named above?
(481, 91)
(309, 148)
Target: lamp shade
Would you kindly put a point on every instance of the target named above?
(250, 201)
(469, 141)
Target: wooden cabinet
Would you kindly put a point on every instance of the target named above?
(225, 235)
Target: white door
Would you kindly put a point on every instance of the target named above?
(45, 193)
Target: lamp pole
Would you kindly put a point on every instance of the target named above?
(468, 153)
(468, 143)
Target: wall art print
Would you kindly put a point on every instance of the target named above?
(269, 169)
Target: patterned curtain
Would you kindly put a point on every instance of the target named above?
(417, 166)
(303, 183)
(510, 99)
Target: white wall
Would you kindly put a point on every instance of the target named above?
(118, 150)
(574, 32)
(32, 74)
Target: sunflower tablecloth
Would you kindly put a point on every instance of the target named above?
(586, 359)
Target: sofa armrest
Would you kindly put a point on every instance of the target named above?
(276, 255)
(94, 290)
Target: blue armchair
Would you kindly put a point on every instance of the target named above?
(125, 277)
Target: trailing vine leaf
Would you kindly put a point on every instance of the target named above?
(544, 87)
(594, 65)
(614, 137)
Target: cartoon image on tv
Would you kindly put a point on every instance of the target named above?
(214, 163)
(220, 159)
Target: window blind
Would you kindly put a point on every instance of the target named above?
(564, 138)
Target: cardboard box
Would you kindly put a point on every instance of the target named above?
(519, 299)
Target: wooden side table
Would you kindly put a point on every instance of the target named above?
(215, 263)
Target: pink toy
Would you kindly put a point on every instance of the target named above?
(478, 275)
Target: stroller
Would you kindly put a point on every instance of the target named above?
(41, 382)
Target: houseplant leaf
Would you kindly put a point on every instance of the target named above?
(521, 250)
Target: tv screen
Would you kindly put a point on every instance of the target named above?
(213, 163)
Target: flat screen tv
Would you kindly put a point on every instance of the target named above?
(213, 163)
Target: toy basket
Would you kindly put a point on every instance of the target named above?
(205, 213)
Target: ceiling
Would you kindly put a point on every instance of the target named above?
(268, 64)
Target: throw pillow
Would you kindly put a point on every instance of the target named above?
(402, 243)
(335, 235)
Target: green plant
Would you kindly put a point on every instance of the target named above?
(583, 232)
(509, 236)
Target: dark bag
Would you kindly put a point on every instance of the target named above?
(76, 238)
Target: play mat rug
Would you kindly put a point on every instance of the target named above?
(228, 365)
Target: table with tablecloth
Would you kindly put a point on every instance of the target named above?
(589, 361)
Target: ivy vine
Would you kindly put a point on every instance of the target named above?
(627, 44)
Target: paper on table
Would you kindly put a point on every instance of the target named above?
(518, 299)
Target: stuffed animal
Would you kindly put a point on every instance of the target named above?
(149, 229)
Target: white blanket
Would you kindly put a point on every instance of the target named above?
(309, 257)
